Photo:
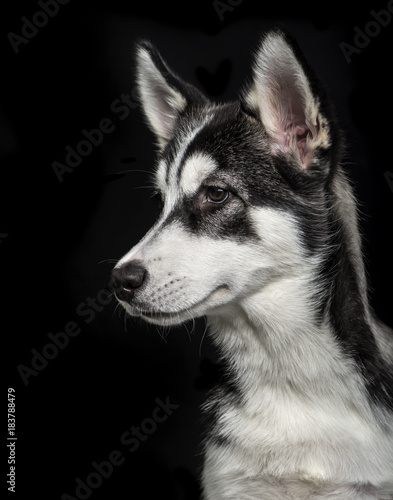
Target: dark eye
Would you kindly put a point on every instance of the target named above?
(216, 195)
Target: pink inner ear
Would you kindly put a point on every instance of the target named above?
(291, 129)
(293, 138)
(300, 137)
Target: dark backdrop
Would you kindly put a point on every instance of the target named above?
(59, 240)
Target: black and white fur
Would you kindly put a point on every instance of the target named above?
(258, 231)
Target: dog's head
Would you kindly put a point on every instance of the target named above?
(241, 186)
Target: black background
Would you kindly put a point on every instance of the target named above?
(59, 240)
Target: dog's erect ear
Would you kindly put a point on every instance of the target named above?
(282, 96)
(163, 95)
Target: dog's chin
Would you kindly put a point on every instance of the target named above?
(214, 301)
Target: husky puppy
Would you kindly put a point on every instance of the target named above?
(258, 231)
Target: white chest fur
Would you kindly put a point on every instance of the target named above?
(302, 415)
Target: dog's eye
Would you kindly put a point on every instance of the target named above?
(216, 195)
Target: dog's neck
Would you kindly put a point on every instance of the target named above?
(275, 337)
(291, 385)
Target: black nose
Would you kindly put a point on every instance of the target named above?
(127, 278)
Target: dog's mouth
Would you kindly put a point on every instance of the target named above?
(159, 314)
(143, 310)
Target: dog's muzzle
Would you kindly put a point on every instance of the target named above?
(126, 279)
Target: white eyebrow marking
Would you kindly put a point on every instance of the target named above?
(170, 171)
(195, 170)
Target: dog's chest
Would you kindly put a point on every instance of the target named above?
(298, 413)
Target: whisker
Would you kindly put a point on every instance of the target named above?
(203, 337)
(129, 171)
(142, 187)
(161, 332)
(185, 326)
(125, 321)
